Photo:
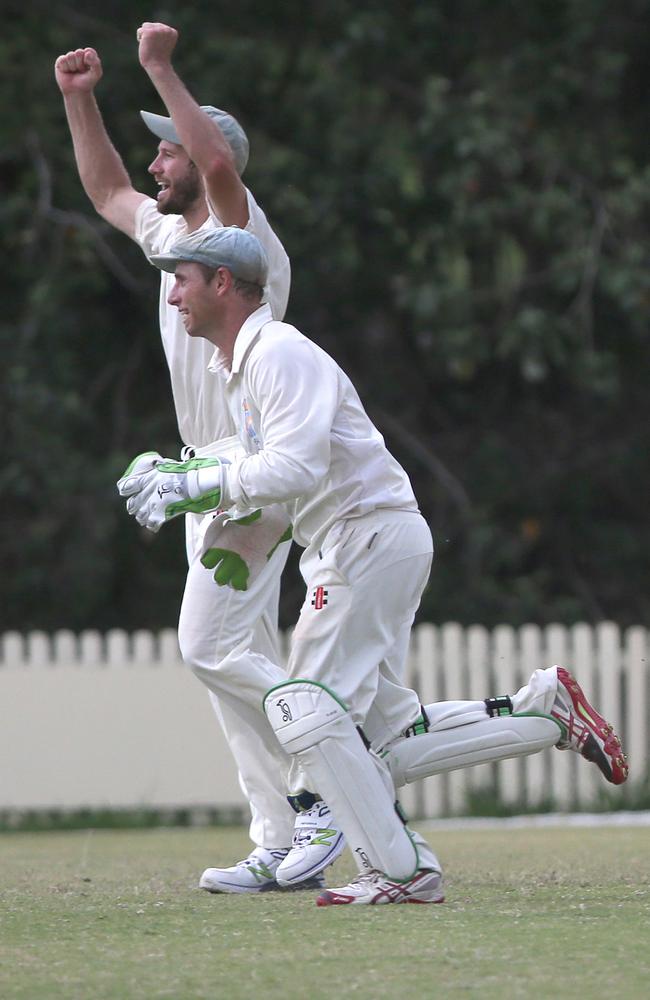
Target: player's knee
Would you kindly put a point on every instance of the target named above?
(304, 713)
(191, 644)
(198, 654)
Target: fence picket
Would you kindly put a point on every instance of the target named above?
(479, 671)
(562, 763)
(583, 666)
(92, 653)
(504, 660)
(427, 659)
(636, 740)
(536, 766)
(13, 650)
(452, 666)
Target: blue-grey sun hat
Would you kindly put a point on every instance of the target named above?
(227, 246)
(232, 131)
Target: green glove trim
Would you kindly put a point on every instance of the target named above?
(189, 466)
(131, 466)
(201, 505)
(230, 569)
(198, 505)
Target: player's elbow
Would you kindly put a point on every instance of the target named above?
(220, 169)
(303, 480)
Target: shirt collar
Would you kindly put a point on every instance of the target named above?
(247, 334)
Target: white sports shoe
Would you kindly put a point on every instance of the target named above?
(317, 843)
(256, 873)
(374, 888)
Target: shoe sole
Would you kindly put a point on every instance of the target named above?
(238, 890)
(310, 883)
(333, 899)
(609, 758)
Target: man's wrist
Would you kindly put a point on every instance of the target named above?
(158, 70)
(80, 99)
(202, 481)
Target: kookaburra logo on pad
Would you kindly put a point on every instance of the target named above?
(286, 711)
(319, 600)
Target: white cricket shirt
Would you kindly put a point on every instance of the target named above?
(308, 439)
(201, 411)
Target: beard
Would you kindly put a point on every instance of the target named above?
(184, 194)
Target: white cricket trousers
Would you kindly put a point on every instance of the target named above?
(364, 584)
(229, 639)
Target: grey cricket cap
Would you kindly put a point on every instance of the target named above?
(232, 131)
(227, 246)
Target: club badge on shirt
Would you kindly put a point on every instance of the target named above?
(249, 426)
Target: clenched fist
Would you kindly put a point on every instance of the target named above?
(156, 42)
(78, 71)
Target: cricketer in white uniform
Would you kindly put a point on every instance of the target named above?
(194, 175)
(344, 718)
(215, 622)
(307, 443)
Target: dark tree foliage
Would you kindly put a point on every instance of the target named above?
(464, 190)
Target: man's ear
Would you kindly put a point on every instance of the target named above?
(223, 280)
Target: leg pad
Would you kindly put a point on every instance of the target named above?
(313, 725)
(475, 743)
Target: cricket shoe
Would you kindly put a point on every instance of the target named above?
(256, 873)
(317, 843)
(585, 731)
(374, 888)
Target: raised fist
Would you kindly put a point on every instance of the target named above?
(156, 42)
(78, 71)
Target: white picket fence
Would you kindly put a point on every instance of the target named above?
(116, 720)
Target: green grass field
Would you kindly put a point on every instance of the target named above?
(529, 913)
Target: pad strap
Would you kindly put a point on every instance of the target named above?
(502, 705)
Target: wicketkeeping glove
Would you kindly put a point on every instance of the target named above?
(135, 476)
(169, 489)
(237, 549)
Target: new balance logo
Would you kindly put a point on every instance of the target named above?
(261, 872)
(319, 600)
(323, 837)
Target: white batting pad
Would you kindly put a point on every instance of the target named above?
(314, 726)
(415, 757)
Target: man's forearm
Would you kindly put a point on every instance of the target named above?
(99, 164)
(200, 137)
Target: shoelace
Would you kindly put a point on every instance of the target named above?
(253, 859)
(373, 876)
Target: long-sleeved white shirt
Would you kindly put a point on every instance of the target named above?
(308, 440)
(201, 411)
